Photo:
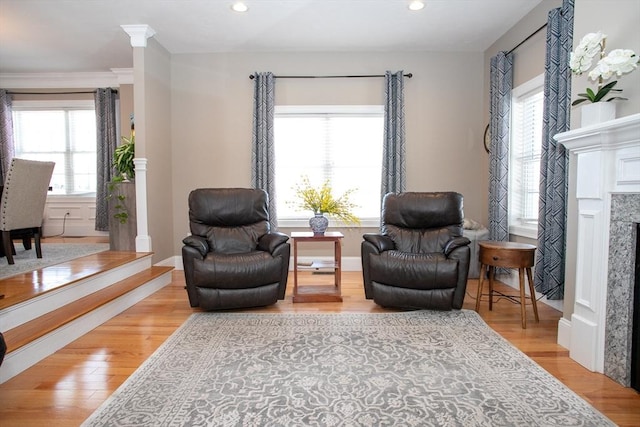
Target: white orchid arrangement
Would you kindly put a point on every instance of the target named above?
(618, 62)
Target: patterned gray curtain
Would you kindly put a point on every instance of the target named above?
(499, 124)
(393, 149)
(552, 208)
(263, 148)
(7, 149)
(107, 141)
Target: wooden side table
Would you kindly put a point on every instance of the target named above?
(318, 293)
(508, 255)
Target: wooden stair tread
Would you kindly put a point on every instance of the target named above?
(22, 287)
(36, 328)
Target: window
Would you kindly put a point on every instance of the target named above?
(340, 143)
(524, 166)
(63, 132)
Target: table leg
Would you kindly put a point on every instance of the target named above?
(483, 269)
(532, 290)
(492, 274)
(523, 301)
(337, 251)
(295, 267)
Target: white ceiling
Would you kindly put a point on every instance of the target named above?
(85, 35)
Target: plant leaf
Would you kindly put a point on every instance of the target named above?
(604, 91)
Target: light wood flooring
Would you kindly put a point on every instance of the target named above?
(66, 387)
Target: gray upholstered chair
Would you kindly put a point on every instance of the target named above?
(22, 205)
(232, 259)
(420, 258)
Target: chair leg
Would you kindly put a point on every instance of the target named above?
(7, 245)
(36, 237)
(26, 243)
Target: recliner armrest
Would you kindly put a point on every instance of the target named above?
(454, 243)
(197, 242)
(269, 242)
(380, 241)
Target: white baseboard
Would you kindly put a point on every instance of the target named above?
(564, 333)
(173, 261)
(584, 346)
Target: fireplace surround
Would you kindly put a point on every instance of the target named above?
(606, 157)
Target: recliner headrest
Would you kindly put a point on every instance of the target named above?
(228, 207)
(423, 210)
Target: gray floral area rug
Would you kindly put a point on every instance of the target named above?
(393, 369)
(52, 253)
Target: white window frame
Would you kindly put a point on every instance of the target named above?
(61, 104)
(333, 109)
(517, 227)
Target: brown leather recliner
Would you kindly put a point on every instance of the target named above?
(420, 259)
(232, 259)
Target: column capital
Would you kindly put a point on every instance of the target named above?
(139, 34)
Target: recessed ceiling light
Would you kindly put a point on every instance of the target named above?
(239, 7)
(416, 5)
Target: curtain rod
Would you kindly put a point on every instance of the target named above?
(53, 93)
(361, 76)
(525, 40)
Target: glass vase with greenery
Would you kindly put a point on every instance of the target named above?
(320, 200)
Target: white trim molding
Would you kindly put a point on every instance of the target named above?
(74, 80)
(607, 156)
(139, 34)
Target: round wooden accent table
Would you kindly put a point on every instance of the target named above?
(507, 255)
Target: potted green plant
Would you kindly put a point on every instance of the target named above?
(321, 201)
(618, 62)
(121, 194)
(123, 158)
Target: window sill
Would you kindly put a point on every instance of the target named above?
(71, 197)
(304, 223)
(528, 232)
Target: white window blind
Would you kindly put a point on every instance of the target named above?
(340, 143)
(524, 167)
(65, 135)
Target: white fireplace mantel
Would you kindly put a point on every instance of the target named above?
(607, 161)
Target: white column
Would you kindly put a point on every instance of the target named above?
(143, 240)
(139, 35)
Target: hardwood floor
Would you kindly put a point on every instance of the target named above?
(66, 387)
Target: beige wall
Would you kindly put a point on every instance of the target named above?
(125, 94)
(211, 115)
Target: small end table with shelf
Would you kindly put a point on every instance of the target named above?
(318, 292)
(520, 256)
